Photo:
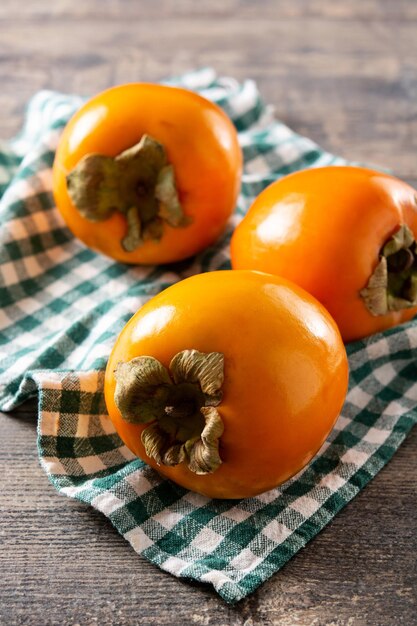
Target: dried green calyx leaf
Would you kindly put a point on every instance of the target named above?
(142, 388)
(179, 406)
(205, 369)
(393, 284)
(139, 183)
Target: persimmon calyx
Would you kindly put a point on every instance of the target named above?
(139, 183)
(179, 406)
(393, 284)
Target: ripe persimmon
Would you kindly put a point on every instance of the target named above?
(228, 382)
(147, 173)
(347, 235)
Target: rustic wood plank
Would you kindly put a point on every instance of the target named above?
(344, 74)
(348, 83)
(383, 10)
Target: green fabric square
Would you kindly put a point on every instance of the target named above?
(70, 401)
(127, 518)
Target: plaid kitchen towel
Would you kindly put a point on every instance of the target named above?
(62, 306)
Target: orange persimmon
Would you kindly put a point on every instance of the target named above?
(227, 382)
(147, 173)
(347, 235)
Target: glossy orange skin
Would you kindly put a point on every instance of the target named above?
(201, 143)
(323, 229)
(285, 371)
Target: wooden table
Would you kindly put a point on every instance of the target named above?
(343, 73)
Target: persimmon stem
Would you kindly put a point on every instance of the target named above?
(139, 183)
(393, 284)
(178, 405)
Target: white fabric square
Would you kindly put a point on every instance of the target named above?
(412, 337)
(50, 380)
(53, 466)
(333, 481)
(207, 540)
(71, 492)
(256, 165)
(30, 305)
(107, 425)
(236, 514)
(246, 561)
(107, 503)
(168, 519)
(196, 499)
(50, 423)
(354, 456)
(359, 397)
(267, 497)
(32, 266)
(393, 409)
(174, 565)
(138, 539)
(342, 422)
(216, 578)
(385, 374)
(91, 464)
(57, 288)
(89, 382)
(289, 151)
(375, 435)
(411, 393)
(83, 424)
(86, 271)
(378, 349)
(138, 482)
(276, 532)
(126, 453)
(306, 506)
(9, 274)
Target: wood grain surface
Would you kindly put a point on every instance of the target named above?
(343, 73)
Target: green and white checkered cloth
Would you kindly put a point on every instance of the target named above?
(62, 306)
